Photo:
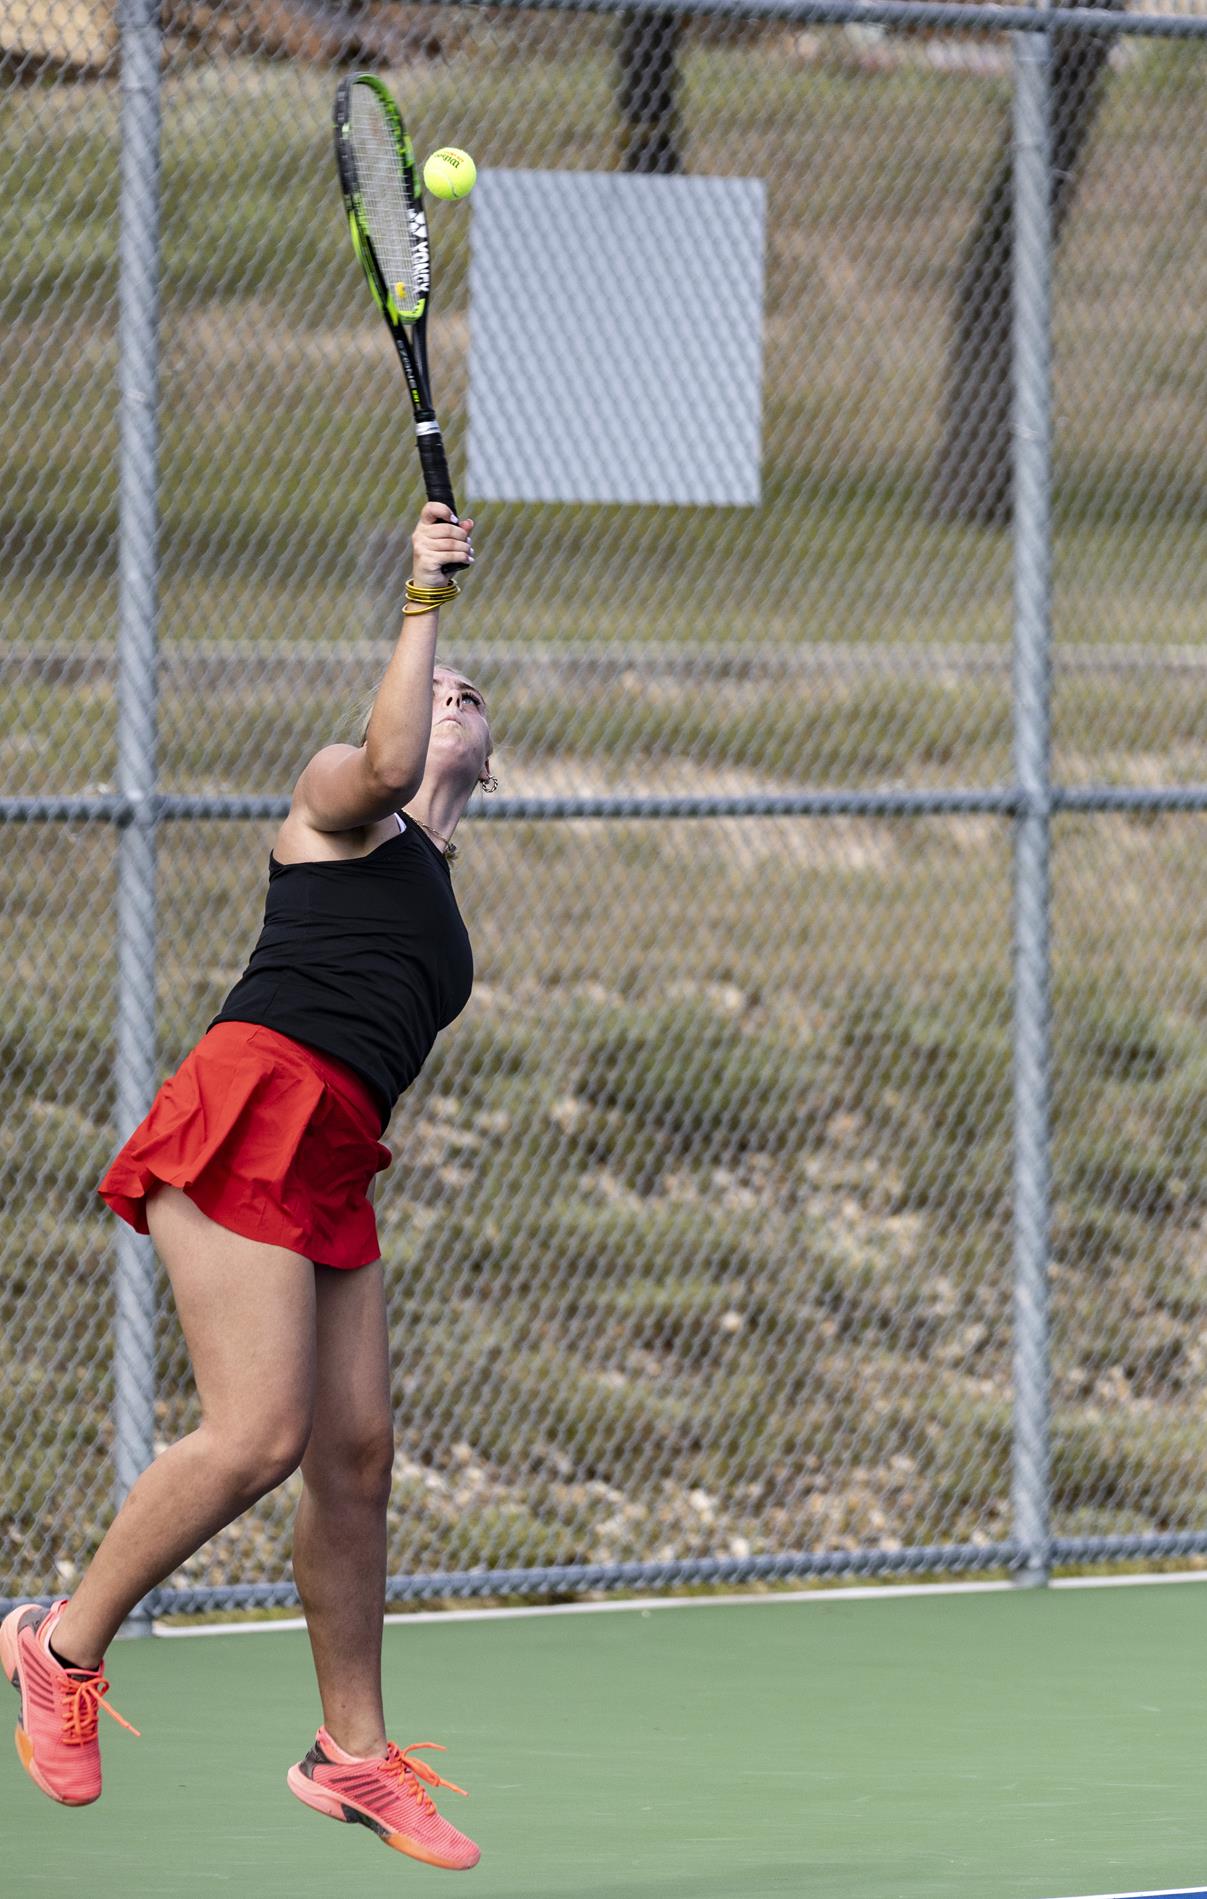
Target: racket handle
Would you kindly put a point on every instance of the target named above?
(434, 463)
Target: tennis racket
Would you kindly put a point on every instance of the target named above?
(384, 203)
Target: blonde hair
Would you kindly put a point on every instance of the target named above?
(362, 709)
(362, 712)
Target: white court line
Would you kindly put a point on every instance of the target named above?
(1166, 1892)
(886, 1593)
(610, 1607)
(1123, 1582)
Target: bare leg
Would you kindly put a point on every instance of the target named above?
(247, 1311)
(339, 1538)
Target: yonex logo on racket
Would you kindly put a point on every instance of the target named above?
(420, 249)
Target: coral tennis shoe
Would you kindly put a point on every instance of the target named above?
(385, 1795)
(56, 1730)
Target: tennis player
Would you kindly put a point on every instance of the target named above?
(253, 1173)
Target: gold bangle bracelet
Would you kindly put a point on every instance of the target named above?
(431, 596)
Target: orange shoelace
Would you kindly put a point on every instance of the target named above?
(82, 1696)
(411, 1772)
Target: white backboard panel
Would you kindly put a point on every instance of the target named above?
(616, 329)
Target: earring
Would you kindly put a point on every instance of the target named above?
(489, 783)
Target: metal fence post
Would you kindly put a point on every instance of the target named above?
(1032, 257)
(138, 379)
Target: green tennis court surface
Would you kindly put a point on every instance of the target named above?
(1008, 1746)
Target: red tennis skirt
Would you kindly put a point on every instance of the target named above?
(269, 1137)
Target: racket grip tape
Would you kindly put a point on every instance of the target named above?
(434, 463)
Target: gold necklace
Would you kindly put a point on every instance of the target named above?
(448, 849)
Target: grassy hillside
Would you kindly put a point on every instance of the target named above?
(699, 1226)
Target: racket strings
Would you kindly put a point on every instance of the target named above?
(383, 192)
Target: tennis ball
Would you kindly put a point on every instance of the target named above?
(449, 173)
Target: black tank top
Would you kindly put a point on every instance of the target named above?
(365, 958)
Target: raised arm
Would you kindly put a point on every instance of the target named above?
(346, 786)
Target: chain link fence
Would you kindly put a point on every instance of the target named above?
(708, 1241)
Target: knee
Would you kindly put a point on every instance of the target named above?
(352, 1466)
(258, 1458)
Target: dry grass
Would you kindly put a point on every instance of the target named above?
(699, 1229)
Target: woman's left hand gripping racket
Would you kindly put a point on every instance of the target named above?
(384, 203)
